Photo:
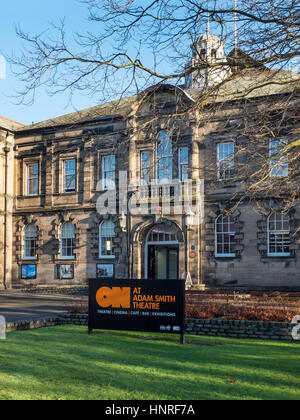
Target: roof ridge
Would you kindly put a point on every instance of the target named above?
(15, 122)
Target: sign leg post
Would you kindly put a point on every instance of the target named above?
(90, 331)
(182, 338)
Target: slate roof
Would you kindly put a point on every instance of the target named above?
(252, 85)
(8, 124)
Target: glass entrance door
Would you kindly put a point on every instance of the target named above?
(162, 262)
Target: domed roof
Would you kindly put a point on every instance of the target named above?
(209, 37)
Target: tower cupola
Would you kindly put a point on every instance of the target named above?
(208, 62)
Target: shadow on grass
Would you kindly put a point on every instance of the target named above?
(171, 338)
(66, 363)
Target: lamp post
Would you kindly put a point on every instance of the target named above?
(123, 222)
(189, 220)
(189, 224)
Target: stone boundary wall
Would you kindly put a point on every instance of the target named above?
(32, 325)
(240, 329)
(205, 327)
(54, 290)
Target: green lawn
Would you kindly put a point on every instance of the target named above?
(66, 363)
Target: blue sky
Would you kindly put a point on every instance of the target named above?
(34, 16)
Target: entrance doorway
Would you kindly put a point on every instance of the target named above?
(162, 253)
(162, 262)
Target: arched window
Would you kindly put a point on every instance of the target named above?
(164, 158)
(278, 235)
(67, 236)
(203, 54)
(30, 238)
(163, 233)
(107, 239)
(225, 237)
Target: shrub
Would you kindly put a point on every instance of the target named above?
(243, 312)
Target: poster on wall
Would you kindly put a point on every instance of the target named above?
(28, 271)
(65, 271)
(105, 270)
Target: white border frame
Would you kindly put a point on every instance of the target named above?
(105, 257)
(216, 240)
(276, 254)
(218, 160)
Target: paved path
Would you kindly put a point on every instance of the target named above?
(24, 307)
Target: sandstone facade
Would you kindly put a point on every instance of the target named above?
(54, 174)
(103, 131)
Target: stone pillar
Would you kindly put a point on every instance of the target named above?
(195, 161)
(87, 173)
(6, 207)
(196, 244)
(132, 158)
(49, 166)
(10, 206)
(133, 254)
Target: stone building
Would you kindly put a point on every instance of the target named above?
(7, 128)
(55, 175)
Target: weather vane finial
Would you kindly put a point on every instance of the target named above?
(236, 26)
(208, 22)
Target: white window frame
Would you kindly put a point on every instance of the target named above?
(279, 166)
(145, 168)
(35, 177)
(111, 236)
(229, 158)
(27, 239)
(278, 232)
(223, 232)
(105, 172)
(181, 164)
(69, 174)
(63, 238)
(162, 136)
(163, 238)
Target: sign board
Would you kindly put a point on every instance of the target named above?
(137, 305)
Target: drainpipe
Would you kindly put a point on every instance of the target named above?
(6, 151)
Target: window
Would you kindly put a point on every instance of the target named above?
(67, 241)
(107, 239)
(30, 239)
(33, 179)
(225, 237)
(164, 158)
(145, 167)
(203, 54)
(108, 172)
(162, 233)
(183, 164)
(225, 161)
(278, 235)
(69, 176)
(279, 163)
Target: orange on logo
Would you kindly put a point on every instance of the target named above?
(116, 297)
